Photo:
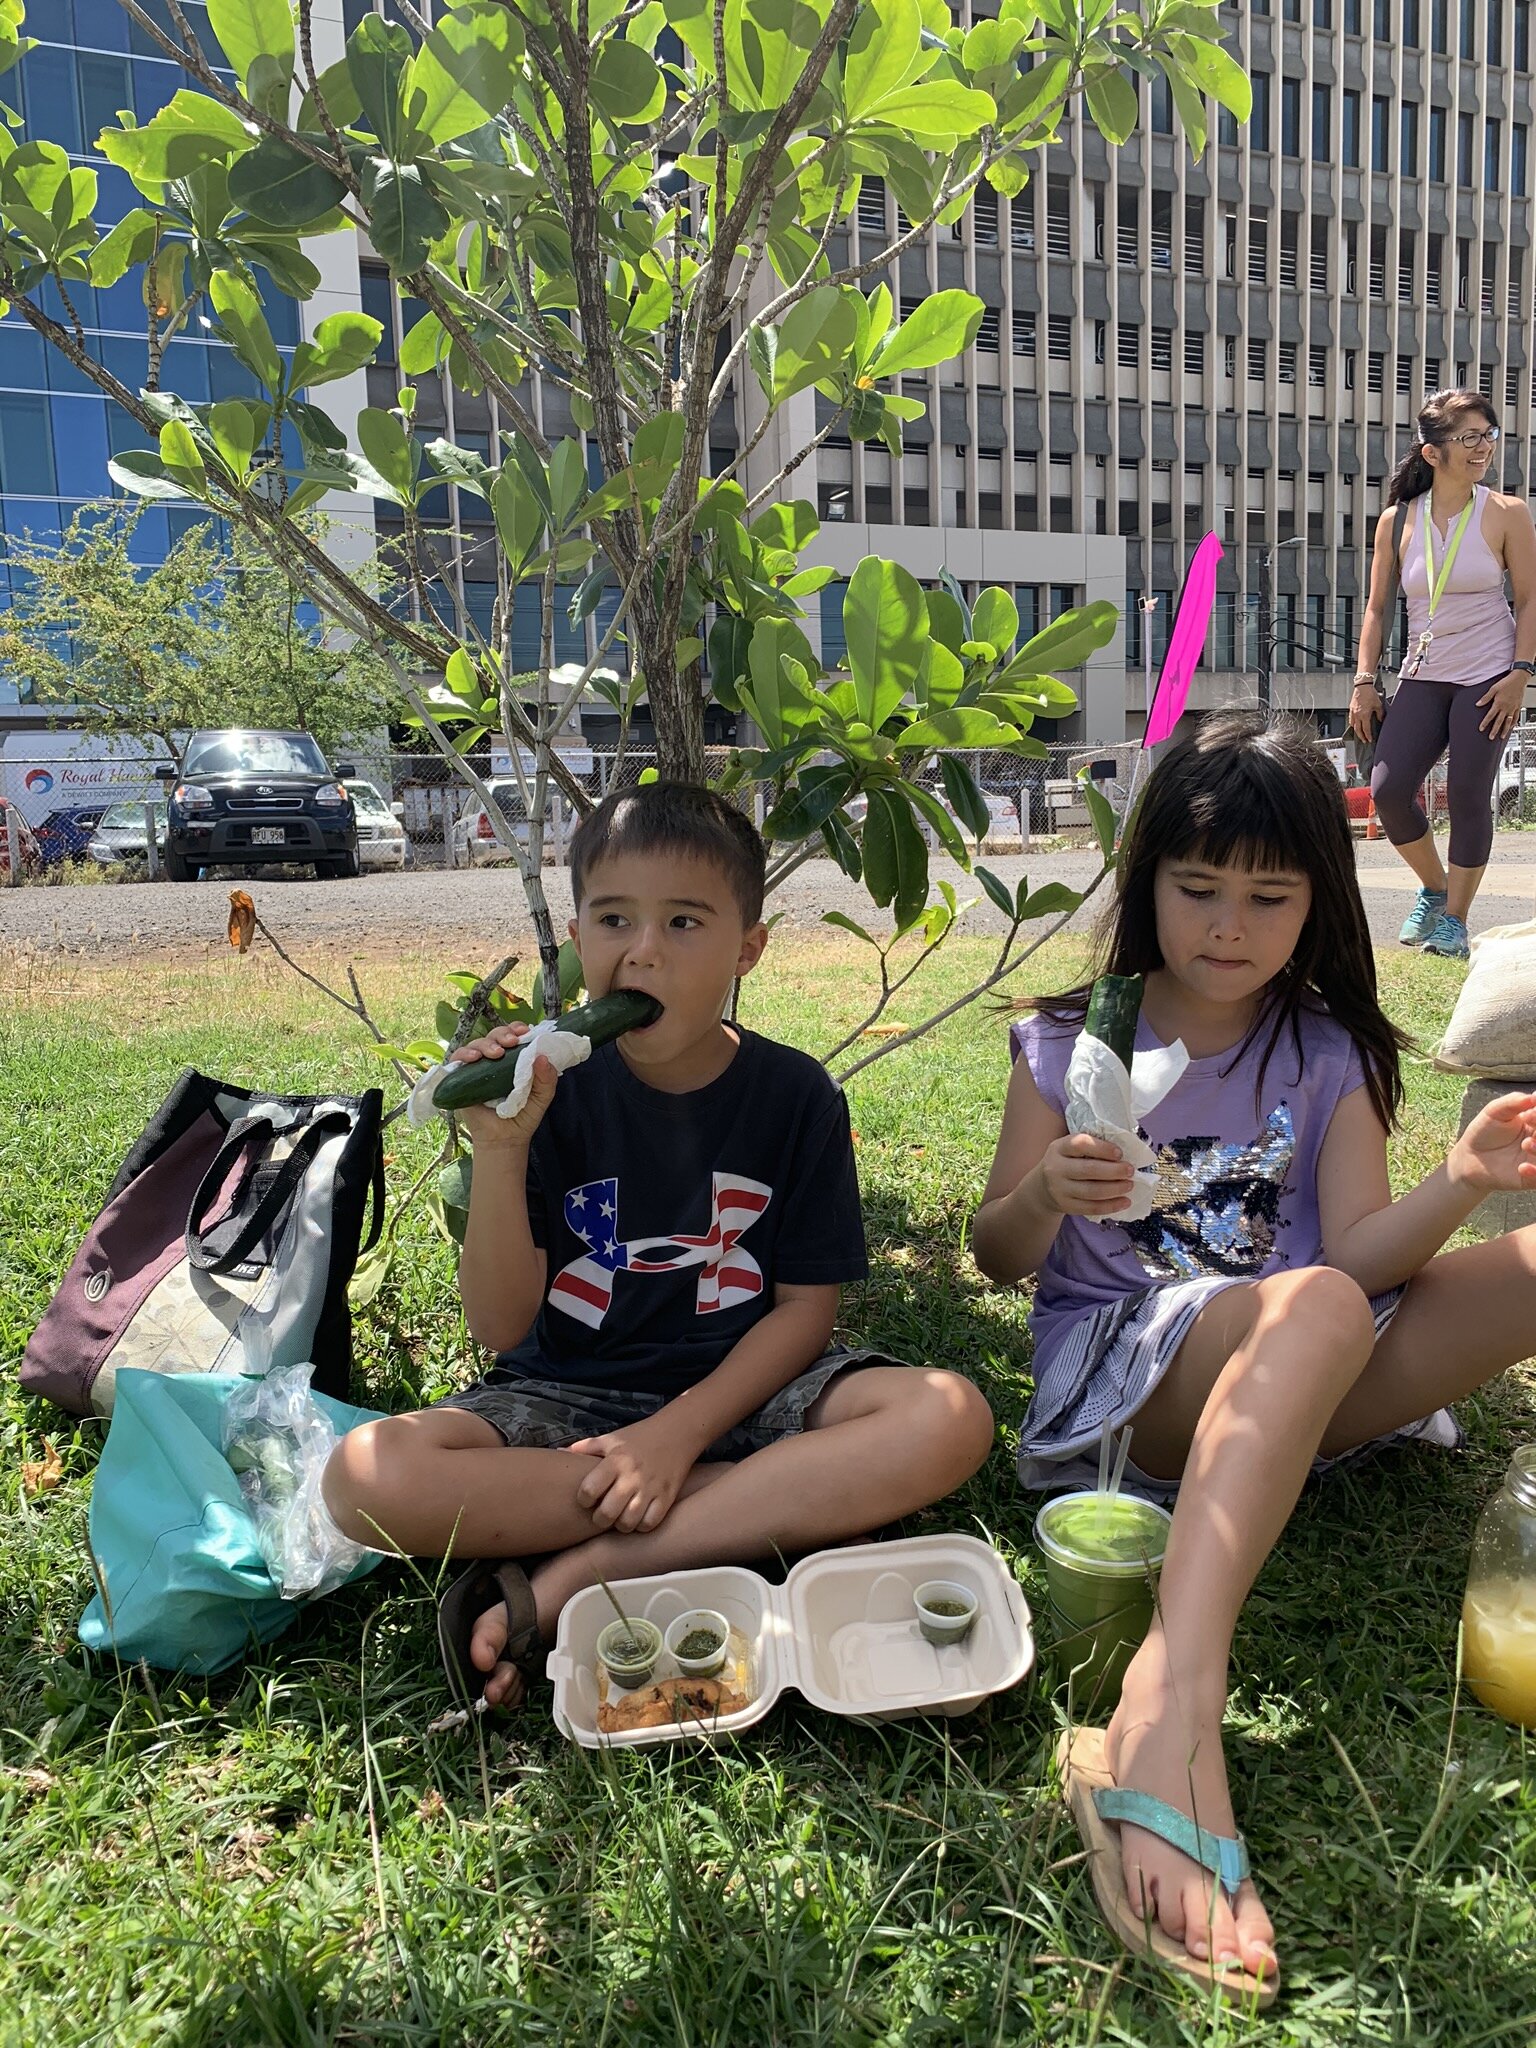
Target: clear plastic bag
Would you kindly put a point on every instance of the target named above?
(277, 1439)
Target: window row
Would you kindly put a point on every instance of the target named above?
(1412, 122)
(1405, 22)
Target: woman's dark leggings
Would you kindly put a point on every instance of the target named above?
(1425, 718)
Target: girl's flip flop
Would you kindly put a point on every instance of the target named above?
(462, 1606)
(1099, 1806)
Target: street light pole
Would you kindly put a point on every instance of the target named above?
(1266, 619)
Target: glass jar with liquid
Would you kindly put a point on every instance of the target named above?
(1498, 1615)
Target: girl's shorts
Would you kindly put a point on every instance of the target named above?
(546, 1415)
(1108, 1364)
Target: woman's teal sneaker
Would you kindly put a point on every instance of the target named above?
(1423, 918)
(1448, 940)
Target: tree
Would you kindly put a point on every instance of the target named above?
(213, 635)
(639, 201)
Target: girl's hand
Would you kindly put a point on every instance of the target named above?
(1496, 1153)
(1505, 702)
(1085, 1176)
(487, 1130)
(1364, 712)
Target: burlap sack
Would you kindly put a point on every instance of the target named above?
(1498, 1213)
(1492, 1032)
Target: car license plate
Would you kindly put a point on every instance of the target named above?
(267, 835)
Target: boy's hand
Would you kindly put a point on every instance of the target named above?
(1496, 1153)
(638, 1474)
(487, 1130)
(1086, 1176)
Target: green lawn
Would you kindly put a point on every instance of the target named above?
(281, 1855)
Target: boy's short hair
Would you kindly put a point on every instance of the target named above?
(674, 817)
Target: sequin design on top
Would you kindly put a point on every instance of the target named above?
(1217, 1206)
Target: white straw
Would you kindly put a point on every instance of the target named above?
(1125, 1452)
(1104, 1443)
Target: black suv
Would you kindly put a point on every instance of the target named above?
(249, 798)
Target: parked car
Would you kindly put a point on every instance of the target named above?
(475, 844)
(31, 852)
(66, 834)
(382, 841)
(1511, 794)
(120, 837)
(1002, 833)
(253, 799)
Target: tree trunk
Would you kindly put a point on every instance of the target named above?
(677, 706)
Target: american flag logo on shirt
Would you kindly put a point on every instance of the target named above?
(729, 1277)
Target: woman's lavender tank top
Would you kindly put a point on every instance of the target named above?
(1236, 1170)
(1474, 628)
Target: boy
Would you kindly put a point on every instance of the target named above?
(654, 1251)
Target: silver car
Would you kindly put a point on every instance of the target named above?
(382, 840)
(120, 837)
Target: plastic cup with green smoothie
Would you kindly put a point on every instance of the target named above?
(1102, 1554)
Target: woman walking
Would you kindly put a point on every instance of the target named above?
(1452, 542)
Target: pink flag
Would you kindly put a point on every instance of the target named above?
(1186, 640)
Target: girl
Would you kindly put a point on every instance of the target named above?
(1277, 1309)
(1452, 542)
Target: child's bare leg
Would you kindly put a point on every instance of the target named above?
(1466, 1318)
(878, 1443)
(442, 1482)
(1242, 1412)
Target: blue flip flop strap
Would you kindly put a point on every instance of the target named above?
(1224, 1856)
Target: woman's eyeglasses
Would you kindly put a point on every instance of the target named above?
(1485, 439)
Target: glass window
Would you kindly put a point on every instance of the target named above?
(1465, 134)
(106, 85)
(256, 753)
(1468, 43)
(184, 519)
(1519, 137)
(99, 25)
(184, 370)
(1351, 138)
(1322, 123)
(1258, 126)
(379, 303)
(80, 447)
(1290, 116)
(1491, 151)
(120, 306)
(154, 81)
(126, 357)
(281, 311)
(1381, 118)
(21, 358)
(1409, 153)
(834, 640)
(48, 96)
(227, 375)
(63, 376)
(26, 447)
(1437, 144)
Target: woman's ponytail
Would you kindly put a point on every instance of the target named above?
(1411, 478)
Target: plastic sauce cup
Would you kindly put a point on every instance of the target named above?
(1102, 1555)
(699, 1622)
(627, 1651)
(946, 1612)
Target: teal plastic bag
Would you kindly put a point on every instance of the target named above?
(187, 1588)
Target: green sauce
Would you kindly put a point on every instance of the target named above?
(947, 1608)
(629, 1650)
(700, 1642)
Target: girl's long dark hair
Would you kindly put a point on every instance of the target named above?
(1442, 413)
(1248, 793)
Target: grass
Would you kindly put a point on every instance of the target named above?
(282, 1855)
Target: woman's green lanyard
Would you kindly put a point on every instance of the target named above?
(1437, 581)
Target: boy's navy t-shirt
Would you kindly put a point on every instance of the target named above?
(667, 1219)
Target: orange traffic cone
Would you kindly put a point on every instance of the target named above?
(1372, 828)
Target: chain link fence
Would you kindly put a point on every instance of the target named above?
(57, 809)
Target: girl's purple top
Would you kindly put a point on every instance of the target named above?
(1236, 1170)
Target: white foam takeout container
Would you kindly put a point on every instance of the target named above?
(842, 1630)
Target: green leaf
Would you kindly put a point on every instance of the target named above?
(122, 246)
(248, 29)
(847, 924)
(378, 55)
(843, 847)
(567, 483)
(1217, 72)
(884, 53)
(181, 457)
(885, 619)
(967, 727)
(237, 429)
(519, 518)
(280, 185)
(424, 346)
(244, 327)
(1102, 813)
(950, 837)
(779, 654)
(1067, 642)
(188, 132)
(791, 524)
(466, 71)
(936, 114)
(656, 452)
(998, 891)
(404, 219)
(807, 807)
(943, 326)
(895, 856)
(141, 472)
(342, 343)
(627, 87)
(996, 618)
(970, 806)
(391, 450)
(1050, 900)
(1112, 103)
(814, 339)
(461, 466)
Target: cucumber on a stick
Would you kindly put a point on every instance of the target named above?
(1114, 1005)
(609, 1017)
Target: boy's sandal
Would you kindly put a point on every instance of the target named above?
(462, 1606)
(1099, 1806)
